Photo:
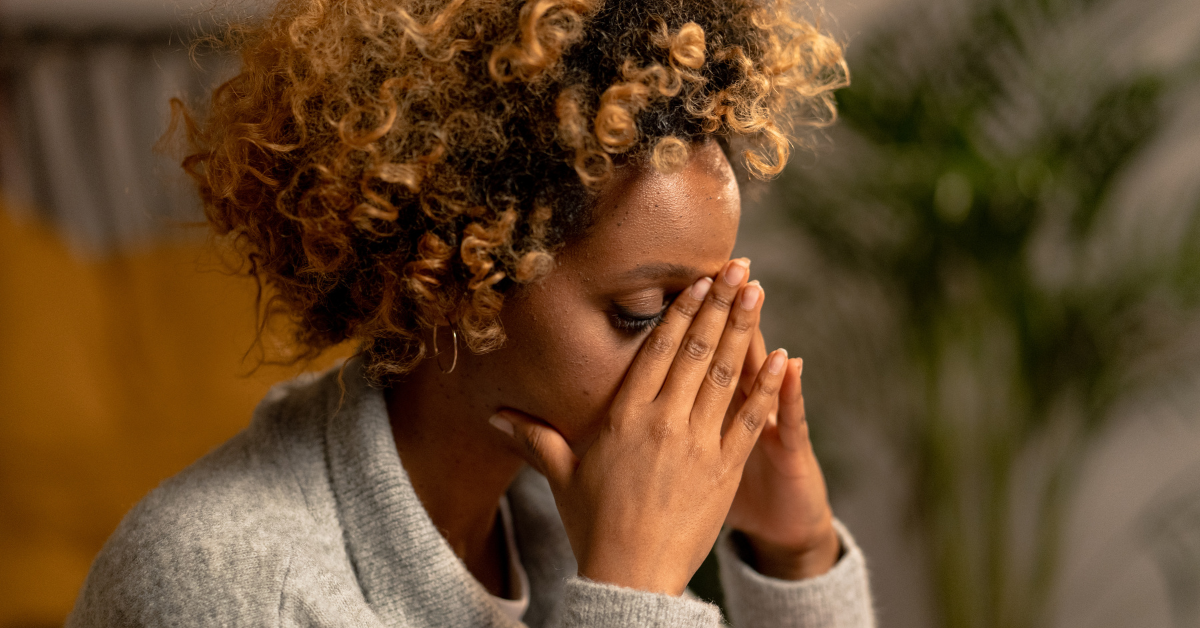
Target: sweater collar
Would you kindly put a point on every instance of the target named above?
(408, 572)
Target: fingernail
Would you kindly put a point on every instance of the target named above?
(778, 359)
(700, 288)
(735, 272)
(501, 424)
(750, 295)
(800, 369)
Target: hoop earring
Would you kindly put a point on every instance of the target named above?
(437, 355)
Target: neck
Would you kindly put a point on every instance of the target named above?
(458, 465)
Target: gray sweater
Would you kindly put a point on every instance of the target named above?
(307, 518)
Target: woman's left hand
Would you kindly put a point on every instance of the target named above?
(781, 504)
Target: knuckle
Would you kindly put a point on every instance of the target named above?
(742, 324)
(696, 347)
(663, 432)
(721, 373)
(720, 301)
(750, 419)
(768, 388)
(687, 307)
(620, 421)
(659, 345)
(722, 473)
(532, 440)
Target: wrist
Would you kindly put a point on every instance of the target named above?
(632, 577)
(787, 562)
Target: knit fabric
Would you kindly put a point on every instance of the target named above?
(833, 600)
(307, 518)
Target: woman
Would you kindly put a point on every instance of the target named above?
(523, 213)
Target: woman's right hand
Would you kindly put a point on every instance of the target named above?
(644, 505)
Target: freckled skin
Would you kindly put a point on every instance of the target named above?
(564, 359)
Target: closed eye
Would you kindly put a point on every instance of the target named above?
(636, 323)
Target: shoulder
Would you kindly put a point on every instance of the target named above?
(215, 544)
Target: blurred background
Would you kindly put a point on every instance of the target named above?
(991, 266)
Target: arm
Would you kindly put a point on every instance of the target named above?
(646, 499)
(784, 560)
(838, 598)
(644, 503)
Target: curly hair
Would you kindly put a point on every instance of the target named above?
(388, 164)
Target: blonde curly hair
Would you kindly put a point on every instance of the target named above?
(387, 164)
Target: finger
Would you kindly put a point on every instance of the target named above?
(539, 444)
(743, 431)
(718, 387)
(690, 365)
(793, 424)
(755, 358)
(645, 377)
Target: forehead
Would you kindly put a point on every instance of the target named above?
(645, 218)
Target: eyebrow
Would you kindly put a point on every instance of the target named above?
(662, 270)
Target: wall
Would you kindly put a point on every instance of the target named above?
(115, 374)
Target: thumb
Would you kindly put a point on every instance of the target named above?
(539, 444)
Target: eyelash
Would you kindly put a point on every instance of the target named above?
(636, 324)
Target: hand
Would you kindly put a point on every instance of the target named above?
(643, 506)
(782, 506)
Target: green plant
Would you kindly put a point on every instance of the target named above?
(974, 181)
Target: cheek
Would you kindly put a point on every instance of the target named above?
(573, 363)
